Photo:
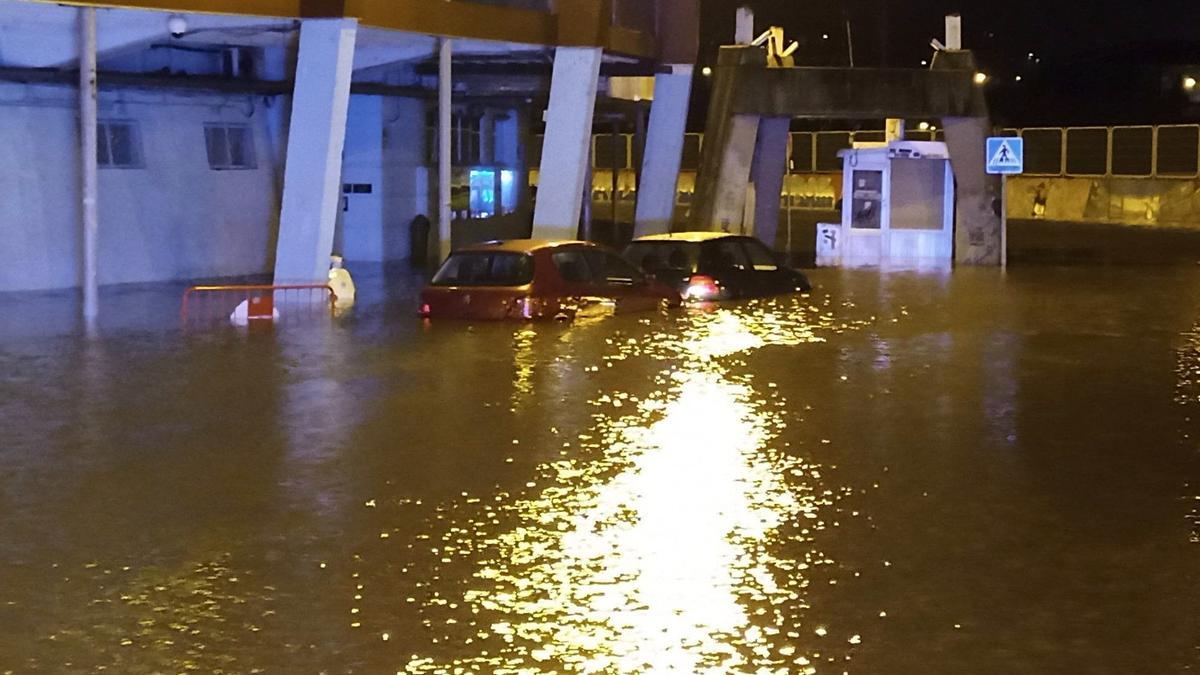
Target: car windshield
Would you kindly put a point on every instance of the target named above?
(485, 268)
(657, 256)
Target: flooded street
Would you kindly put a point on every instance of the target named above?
(969, 473)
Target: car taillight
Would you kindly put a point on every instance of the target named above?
(702, 287)
(425, 310)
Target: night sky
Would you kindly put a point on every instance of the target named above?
(1082, 50)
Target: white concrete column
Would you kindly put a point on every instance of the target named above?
(743, 32)
(567, 142)
(88, 161)
(445, 159)
(316, 136)
(954, 32)
(664, 152)
(770, 167)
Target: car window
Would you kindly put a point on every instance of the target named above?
(724, 254)
(654, 256)
(572, 266)
(610, 268)
(485, 268)
(761, 258)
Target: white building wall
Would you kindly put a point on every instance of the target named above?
(173, 218)
(407, 191)
(362, 163)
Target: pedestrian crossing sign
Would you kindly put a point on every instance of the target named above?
(1006, 155)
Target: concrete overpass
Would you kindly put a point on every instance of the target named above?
(755, 99)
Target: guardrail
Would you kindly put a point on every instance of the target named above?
(213, 304)
(1141, 151)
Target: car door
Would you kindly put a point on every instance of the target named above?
(768, 277)
(577, 292)
(618, 280)
(725, 260)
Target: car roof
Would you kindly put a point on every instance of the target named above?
(523, 245)
(693, 237)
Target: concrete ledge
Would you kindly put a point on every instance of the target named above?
(1057, 242)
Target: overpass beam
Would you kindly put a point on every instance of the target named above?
(316, 138)
(664, 152)
(565, 150)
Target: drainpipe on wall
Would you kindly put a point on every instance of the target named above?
(88, 161)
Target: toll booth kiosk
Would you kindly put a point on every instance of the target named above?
(897, 208)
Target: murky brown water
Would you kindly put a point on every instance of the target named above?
(902, 474)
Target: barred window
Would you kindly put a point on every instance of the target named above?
(118, 145)
(230, 146)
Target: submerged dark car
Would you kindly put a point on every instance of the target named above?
(708, 266)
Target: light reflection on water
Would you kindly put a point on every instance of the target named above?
(622, 495)
(658, 556)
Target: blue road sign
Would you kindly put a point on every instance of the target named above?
(1006, 155)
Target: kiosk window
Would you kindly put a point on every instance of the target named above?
(868, 200)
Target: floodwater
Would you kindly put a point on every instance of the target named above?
(967, 473)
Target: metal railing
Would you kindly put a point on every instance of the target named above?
(283, 302)
(1141, 151)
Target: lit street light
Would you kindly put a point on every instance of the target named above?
(706, 71)
(1189, 83)
(981, 78)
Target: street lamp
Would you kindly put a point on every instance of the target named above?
(706, 71)
(981, 78)
(1189, 83)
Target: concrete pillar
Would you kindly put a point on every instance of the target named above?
(954, 32)
(977, 236)
(88, 162)
(770, 167)
(312, 177)
(445, 121)
(664, 152)
(567, 142)
(734, 157)
(743, 32)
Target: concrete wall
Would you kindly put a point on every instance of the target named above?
(173, 218)
(409, 185)
(1125, 201)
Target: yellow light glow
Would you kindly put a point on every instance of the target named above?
(706, 71)
(1189, 83)
(981, 78)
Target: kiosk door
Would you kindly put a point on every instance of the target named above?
(864, 218)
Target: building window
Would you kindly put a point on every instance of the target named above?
(230, 146)
(118, 145)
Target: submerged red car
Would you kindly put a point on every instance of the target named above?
(531, 279)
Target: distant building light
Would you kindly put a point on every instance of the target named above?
(923, 126)
(924, 63)
(1018, 78)
(981, 78)
(825, 36)
(706, 71)
(1189, 83)
(1031, 55)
